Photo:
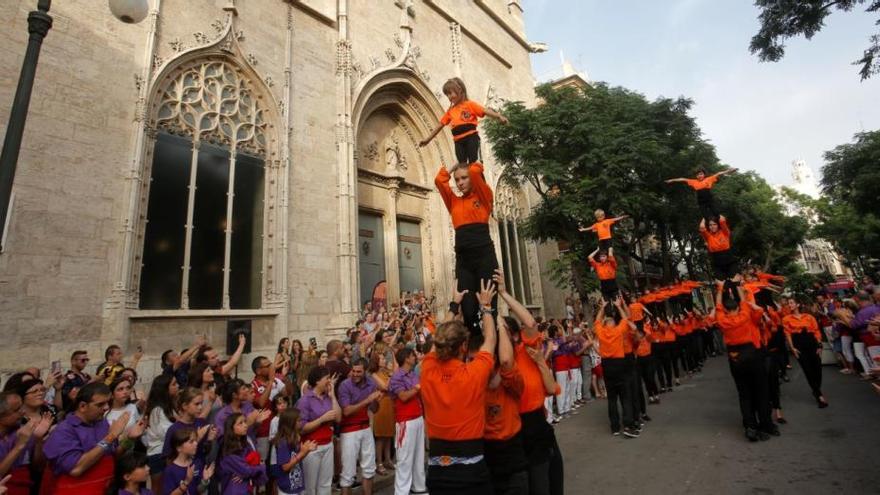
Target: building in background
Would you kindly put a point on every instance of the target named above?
(816, 255)
(233, 160)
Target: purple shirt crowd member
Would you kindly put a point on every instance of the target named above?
(867, 311)
(190, 402)
(287, 455)
(131, 475)
(20, 445)
(237, 397)
(318, 411)
(357, 394)
(186, 474)
(81, 449)
(240, 468)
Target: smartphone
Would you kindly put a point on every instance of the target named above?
(56, 367)
(313, 342)
(140, 349)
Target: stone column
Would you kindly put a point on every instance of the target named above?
(392, 257)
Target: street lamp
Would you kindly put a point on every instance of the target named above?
(39, 24)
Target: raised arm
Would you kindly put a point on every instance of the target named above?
(592, 255)
(677, 179)
(495, 115)
(235, 357)
(434, 132)
(505, 347)
(442, 183)
(529, 325)
(487, 292)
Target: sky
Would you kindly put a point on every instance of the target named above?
(760, 116)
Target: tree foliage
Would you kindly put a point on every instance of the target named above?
(784, 19)
(610, 148)
(852, 173)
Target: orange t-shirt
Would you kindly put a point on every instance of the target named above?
(739, 328)
(476, 207)
(502, 406)
(668, 332)
(718, 241)
(611, 338)
(636, 311)
(464, 118)
(606, 270)
(454, 395)
(644, 348)
(801, 323)
(533, 384)
(706, 183)
(603, 228)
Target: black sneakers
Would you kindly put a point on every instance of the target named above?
(630, 433)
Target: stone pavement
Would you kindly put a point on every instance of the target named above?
(694, 443)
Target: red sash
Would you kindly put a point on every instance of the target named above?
(20, 483)
(92, 482)
(322, 435)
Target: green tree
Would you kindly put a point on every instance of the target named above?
(784, 19)
(852, 173)
(610, 148)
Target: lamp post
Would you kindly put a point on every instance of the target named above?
(39, 24)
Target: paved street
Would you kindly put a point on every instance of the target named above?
(695, 445)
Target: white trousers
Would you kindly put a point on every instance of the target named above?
(548, 406)
(356, 444)
(562, 403)
(318, 470)
(862, 355)
(409, 473)
(577, 380)
(846, 345)
(874, 353)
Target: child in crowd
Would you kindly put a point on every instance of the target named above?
(241, 469)
(285, 464)
(463, 115)
(186, 473)
(131, 475)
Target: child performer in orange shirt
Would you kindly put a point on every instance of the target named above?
(606, 270)
(703, 186)
(463, 115)
(602, 228)
(474, 251)
(716, 233)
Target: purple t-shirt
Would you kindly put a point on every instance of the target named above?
(352, 393)
(291, 481)
(142, 491)
(312, 407)
(226, 411)
(71, 439)
(401, 381)
(7, 443)
(237, 476)
(174, 474)
(167, 451)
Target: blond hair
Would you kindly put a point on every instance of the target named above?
(456, 83)
(448, 339)
(599, 212)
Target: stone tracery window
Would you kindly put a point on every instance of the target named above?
(509, 211)
(203, 245)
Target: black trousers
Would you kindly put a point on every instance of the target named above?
(706, 203)
(773, 391)
(647, 366)
(471, 266)
(604, 244)
(724, 264)
(609, 289)
(467, 149)
(635, 387)
(750, 375)
(680, 354)
(809, 359)
(616, 377)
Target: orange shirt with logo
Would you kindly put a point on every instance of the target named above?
(797, 323)
(533, 384)
(739, 328)
(606, 270)
(502, 406)
(466, 113)
(476, 206)
(636, 311)
(454, 395)
(717, 241)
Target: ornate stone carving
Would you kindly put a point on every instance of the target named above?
(493, 99)
(252, 59)
(211, 100)
(343, 57)
(372, 151)
(375, 63)
(176, 45)
(389, 53)
(394, 159)
(455, 40)
(138, 82)
(201, 38)
(218, 25)
(269, 82)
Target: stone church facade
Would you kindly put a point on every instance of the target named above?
(245, 160)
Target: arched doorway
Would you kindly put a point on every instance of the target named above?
(403, 235)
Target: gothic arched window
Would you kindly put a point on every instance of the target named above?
(509, 211)
(203, 240)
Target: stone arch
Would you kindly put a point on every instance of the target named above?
(211, 94)
(396, 181)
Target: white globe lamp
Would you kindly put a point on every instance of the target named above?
(130, 11)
